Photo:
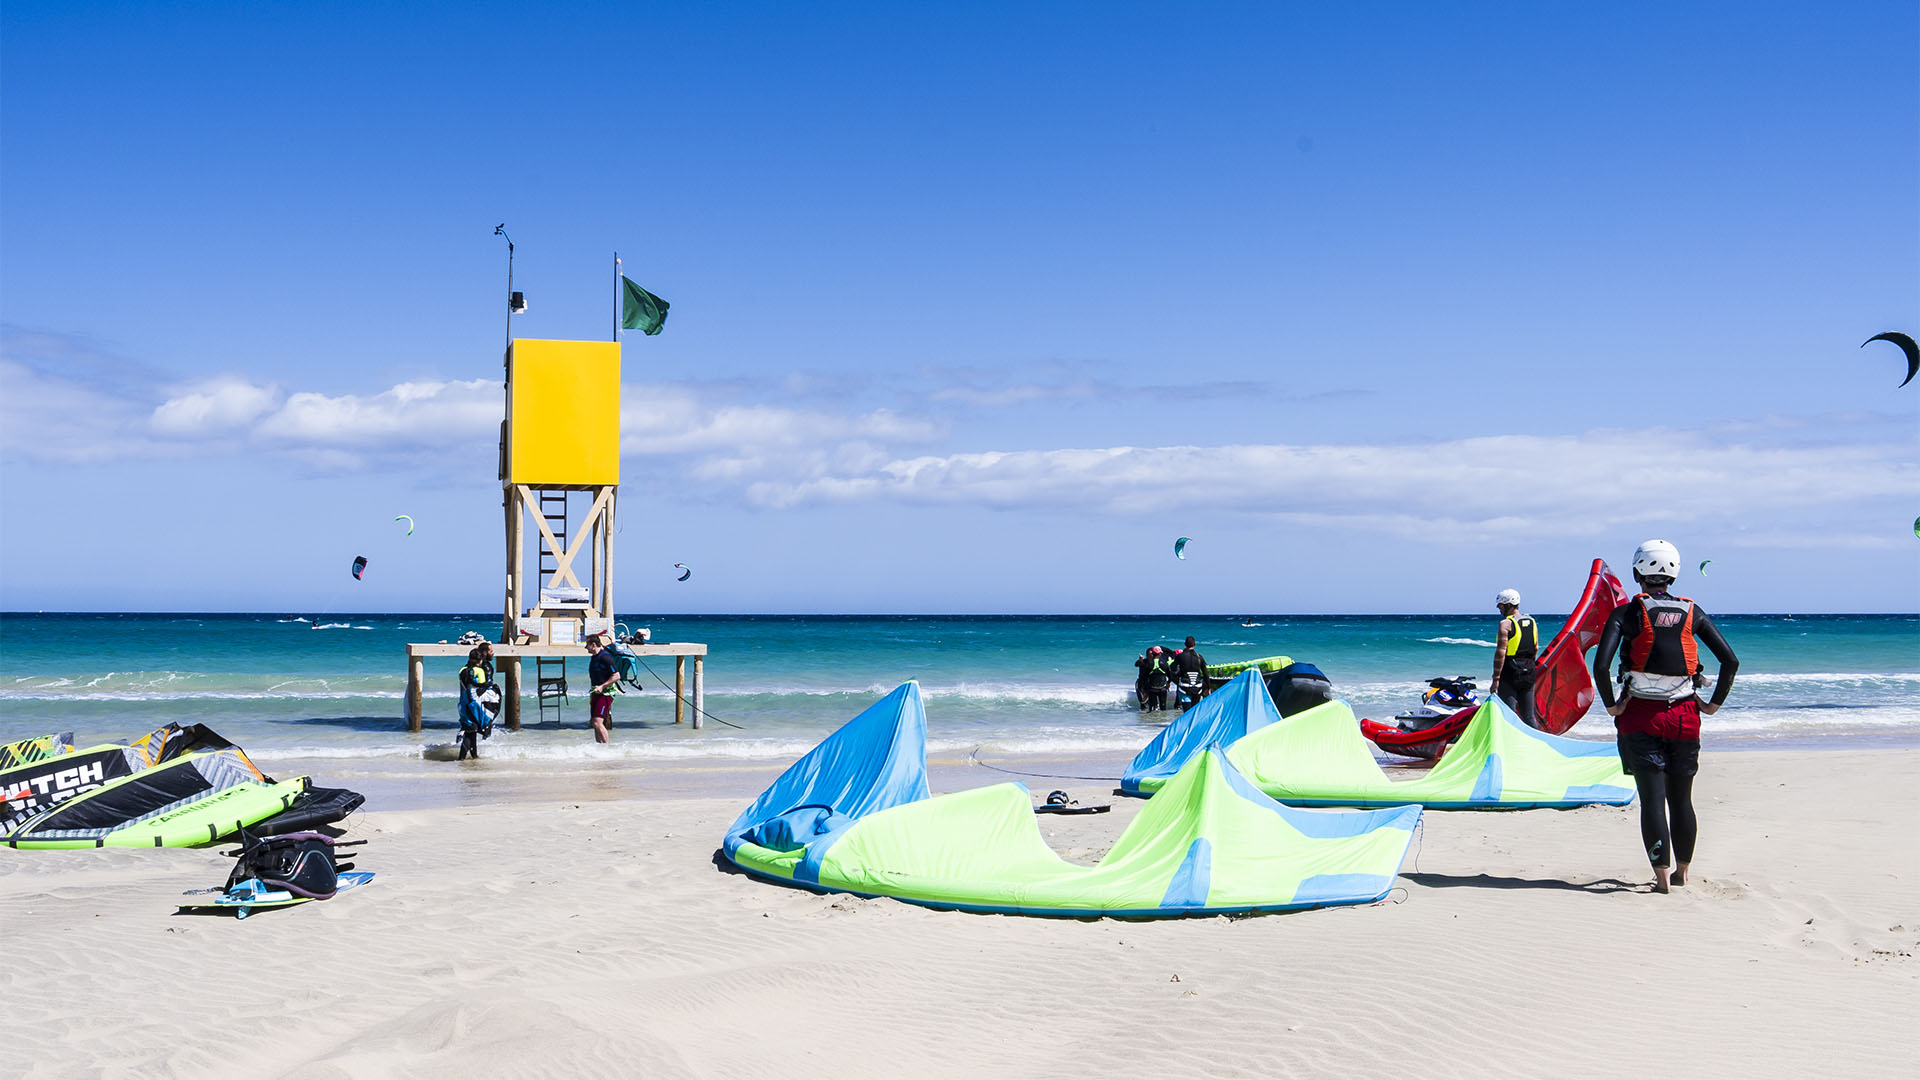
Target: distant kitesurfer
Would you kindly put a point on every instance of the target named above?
(1514, 651)
(1190, 672)
(1658, 719)
(475, 722)
(603, 671)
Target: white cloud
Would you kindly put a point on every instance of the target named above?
(213, 407)
(47, 417)
(1564, 485)
(409, 416)
(1770, 478)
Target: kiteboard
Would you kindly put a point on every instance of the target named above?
(490, 699)
(243, 900)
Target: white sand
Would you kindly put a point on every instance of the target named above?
(545, 939)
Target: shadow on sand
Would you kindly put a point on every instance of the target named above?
(1489, 881)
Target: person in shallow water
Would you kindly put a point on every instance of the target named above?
(1658, 716)
(1515, 647)
(475, 722)
(603, 671)
(1190, 672)
(1156, 674)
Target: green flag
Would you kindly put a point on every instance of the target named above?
(641, 310)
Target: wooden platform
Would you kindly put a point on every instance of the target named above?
(507, 659)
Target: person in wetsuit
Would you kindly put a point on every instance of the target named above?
(1514, 652)
(1658, 718)
(475, 722)
(1156, 674)
(1190, 672)
(603, 673)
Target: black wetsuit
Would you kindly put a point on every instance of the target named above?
(1190, 674)
(1155, 675)
(1517, 669)
(1660, 741)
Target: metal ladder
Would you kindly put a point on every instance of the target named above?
(551, 673)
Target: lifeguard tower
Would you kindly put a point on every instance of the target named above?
(559, 468)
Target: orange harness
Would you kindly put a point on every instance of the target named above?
(1672, 611)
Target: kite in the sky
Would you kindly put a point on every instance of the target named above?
(1180, 547)
(1906, 346)
(409, 522)
(359, 566)
(1703, 566)
(1916, 527)
(683, 566)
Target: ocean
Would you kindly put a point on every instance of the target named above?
(323, 694)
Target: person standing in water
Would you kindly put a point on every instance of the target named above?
(603, 671)
(1156, 672)
(1658, 718)
(1190, 673)
(475, 721)
(1514, 651)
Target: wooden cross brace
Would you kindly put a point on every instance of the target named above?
(563, 560)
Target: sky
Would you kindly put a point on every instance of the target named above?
(976, 308)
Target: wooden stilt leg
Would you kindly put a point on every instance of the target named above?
(699, 690)
(416, 673)
(510, 690)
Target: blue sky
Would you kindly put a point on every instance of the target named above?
(974, 308)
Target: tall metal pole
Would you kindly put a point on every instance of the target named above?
(501, 230)
(616, 296)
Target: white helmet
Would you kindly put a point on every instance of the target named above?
(1506, 596)
(1657, 558)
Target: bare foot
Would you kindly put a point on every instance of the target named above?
(1679, 874)
(1659, 879)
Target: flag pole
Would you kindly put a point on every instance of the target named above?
(616, 296)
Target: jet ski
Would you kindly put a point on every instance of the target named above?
(1425, 730)
(1443, 698)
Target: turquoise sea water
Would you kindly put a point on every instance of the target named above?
(325, 692)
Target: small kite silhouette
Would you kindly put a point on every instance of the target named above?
(1703, 566)
(409, 522)
(1906, 346)
(359, 566)
(683, 566)
(1180, 547)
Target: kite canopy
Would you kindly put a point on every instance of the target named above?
(359, 566)
(854, 815)
(1180, 547)
(687, 571)
(1563, 685)
(194, 799)
(1907, 346)
(409, 522)
(1267, 665)
(1320, 758)
(1222, 718)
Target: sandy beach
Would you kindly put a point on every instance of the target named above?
(560, 936)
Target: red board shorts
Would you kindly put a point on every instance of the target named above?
(601, 706)
(1659, 737)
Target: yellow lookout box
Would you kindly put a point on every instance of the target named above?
(563, 413)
